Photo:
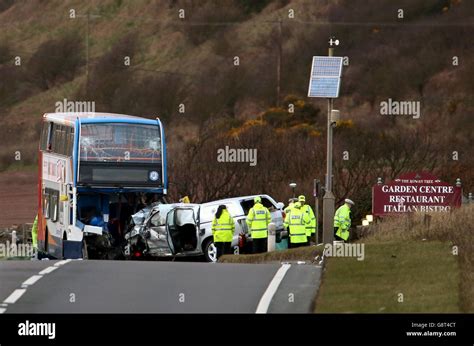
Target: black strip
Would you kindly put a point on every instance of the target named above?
(291, 329)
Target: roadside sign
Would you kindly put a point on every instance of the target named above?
(415, 192)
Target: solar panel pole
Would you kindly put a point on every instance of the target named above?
(328, 199)
(280, 53)
(325, 82)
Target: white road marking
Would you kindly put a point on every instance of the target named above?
(48, 270)
(266, 299)
(16, 294)
(12, 298)
(60, 263)
(31, 280)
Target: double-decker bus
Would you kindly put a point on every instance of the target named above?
(95, 171)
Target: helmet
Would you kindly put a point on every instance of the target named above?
(257, 199)
(349, 201)
(301, 198)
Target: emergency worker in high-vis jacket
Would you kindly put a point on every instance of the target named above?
(342, 221)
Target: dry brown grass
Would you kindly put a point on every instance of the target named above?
(456, 227)
(18, 197)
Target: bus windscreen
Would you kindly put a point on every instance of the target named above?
(120, 142)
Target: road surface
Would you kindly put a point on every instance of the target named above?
(155, 287)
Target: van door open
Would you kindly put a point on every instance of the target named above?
(157, 237)
(182, 230)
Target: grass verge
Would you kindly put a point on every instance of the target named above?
(306, 253)
(455, 228)
(396, 276)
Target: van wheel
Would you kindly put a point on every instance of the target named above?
(210, 251)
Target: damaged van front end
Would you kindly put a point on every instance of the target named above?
(164, 230)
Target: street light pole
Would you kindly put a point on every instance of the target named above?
(324, 82)
(328, 199)
(293, 185)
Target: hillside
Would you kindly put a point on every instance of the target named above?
(426, 56)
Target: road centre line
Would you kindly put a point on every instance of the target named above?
(60, 263)
(17, 293)
(31, 280)
(47, 270)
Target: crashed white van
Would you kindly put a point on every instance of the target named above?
(164, 230)
(184, 229)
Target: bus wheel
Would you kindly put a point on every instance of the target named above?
(64, 238)
(46, 245)
(85, 255)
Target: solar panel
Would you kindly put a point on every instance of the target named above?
(325, 77)
(324, 87)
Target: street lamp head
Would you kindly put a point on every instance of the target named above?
(335, 116)
(292, 185)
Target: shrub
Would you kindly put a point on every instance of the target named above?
(56, 61)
